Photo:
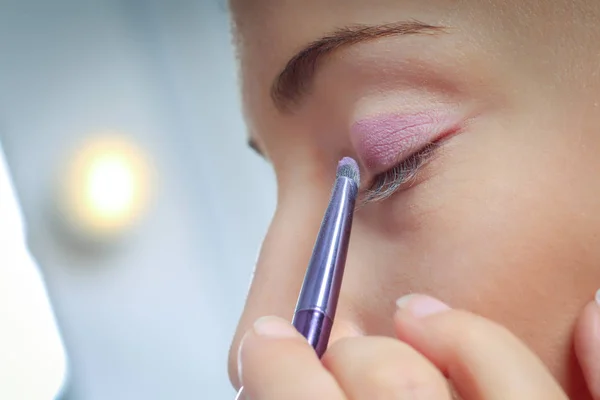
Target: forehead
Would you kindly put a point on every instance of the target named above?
(285, 19)
(263, 16)
(268, 33)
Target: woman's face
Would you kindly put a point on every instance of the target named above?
(500, 216)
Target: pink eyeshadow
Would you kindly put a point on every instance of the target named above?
(384, 140)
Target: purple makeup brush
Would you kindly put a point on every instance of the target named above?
(318, 298)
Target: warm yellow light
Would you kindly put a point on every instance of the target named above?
(107, 186)
(110, 186)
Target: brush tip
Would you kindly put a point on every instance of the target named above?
(348, 168)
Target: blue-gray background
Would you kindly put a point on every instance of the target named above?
(152, 320)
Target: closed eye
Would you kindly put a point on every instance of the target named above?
(389, 182)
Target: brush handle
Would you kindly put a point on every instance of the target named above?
(315, 326)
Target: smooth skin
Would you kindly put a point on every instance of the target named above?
(503, 223)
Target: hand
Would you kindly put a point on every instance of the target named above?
(482, 360)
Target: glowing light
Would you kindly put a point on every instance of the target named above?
(107, 186)
(109, 189)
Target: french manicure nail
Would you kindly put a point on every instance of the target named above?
(403, 301)
(421, 306)
(274, 327)
(265, 326)
(239, 358)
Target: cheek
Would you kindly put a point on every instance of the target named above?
(521, 256)
(509, 237)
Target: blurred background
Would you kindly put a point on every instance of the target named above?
(131, 208)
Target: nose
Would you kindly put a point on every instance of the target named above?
(280, 271)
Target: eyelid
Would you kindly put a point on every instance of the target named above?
(389, 182)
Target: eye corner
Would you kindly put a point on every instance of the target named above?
(256, 148)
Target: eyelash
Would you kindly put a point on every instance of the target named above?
(389, 182)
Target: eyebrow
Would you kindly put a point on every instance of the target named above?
(295, 79)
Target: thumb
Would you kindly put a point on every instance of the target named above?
(587, 345)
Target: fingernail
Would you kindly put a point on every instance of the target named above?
(403, 301)
(239, 359)
(597, 298)
(274, 327)
(421, 306)
(265, 326)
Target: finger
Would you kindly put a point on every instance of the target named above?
(383, 368)
(587, 345)
(278, 363)
(482, 359)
